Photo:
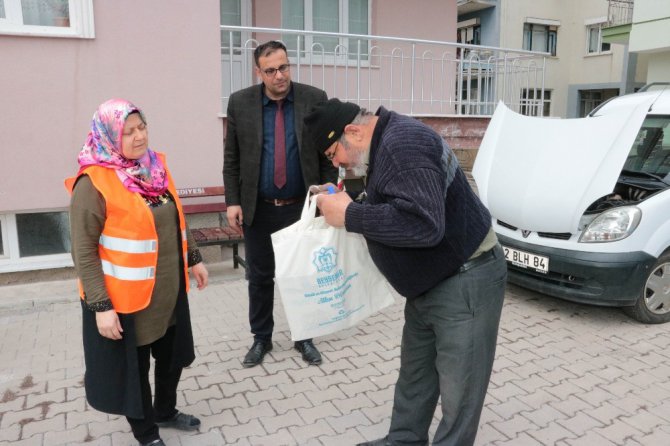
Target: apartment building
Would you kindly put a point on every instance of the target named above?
(582, 70)
(640, 27)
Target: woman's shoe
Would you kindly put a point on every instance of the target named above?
(181, 421)
(158, 442)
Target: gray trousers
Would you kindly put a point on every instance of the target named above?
(447, 351)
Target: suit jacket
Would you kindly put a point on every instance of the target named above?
(244, 145)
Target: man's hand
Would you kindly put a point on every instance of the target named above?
(201, 275)
(333, 207)
(109, 325)
(235, 218)
(328, 188)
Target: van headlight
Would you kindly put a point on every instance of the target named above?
(612, 225)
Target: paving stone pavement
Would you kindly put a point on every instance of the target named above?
(565, 374)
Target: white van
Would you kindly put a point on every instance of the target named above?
(582, 206)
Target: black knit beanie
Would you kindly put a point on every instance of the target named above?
(327, 120)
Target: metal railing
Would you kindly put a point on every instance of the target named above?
(411, 76)
(619, 12)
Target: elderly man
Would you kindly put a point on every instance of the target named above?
(432, 238)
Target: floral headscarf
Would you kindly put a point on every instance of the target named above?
(145, 175)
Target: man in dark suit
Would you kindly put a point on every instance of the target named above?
(268, 166)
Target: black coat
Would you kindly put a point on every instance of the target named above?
(111, 380)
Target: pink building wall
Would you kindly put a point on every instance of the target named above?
(165, 59)
(425, 19)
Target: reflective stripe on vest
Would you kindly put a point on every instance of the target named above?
(128, 273)
(128, 245)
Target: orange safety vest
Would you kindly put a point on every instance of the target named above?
(128, 245)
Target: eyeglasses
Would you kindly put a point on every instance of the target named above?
(272, 71)
(330, 156)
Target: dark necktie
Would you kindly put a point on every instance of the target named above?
(280, 147)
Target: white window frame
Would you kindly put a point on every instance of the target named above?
(81, 22)
(343, 11)
(596, 25)
(11, 261)
(528, 106)
(4, 237)
(245, 20)
(466, 29)
(551, 29)
(235, 71)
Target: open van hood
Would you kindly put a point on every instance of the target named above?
(541, 174)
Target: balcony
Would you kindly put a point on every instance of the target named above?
(619, 21)
(620, 12)
(467, 6)
(415, 77)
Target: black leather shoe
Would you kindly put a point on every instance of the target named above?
(256, 353)
(158, 442)
(379, 442)
(181, 421)
(309, 352)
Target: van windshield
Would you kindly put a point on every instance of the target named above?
(650, 152)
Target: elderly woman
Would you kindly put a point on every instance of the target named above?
(132, 250)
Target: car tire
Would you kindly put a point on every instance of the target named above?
(653, 304)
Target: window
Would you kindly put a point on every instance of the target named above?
(651, 150)
(469, 32)
(49, 18)
(2, 223)
(590, 99)
(594, 40)
(537, 37)
(532, 102)
(231, 14)
(34, 241)
(336, 16)
(43, 234)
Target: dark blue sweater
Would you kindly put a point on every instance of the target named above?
(421, 219)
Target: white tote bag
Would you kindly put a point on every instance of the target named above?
(325, 276)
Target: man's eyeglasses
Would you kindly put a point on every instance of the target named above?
(272, 71)
(330, 156)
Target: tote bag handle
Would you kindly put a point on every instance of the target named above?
(308, 212)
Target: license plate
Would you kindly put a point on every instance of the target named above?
(526, 260)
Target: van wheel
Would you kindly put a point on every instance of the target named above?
(653, 305)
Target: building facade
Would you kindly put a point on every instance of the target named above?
(582, 70)
(639, 27)
(62, 58)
